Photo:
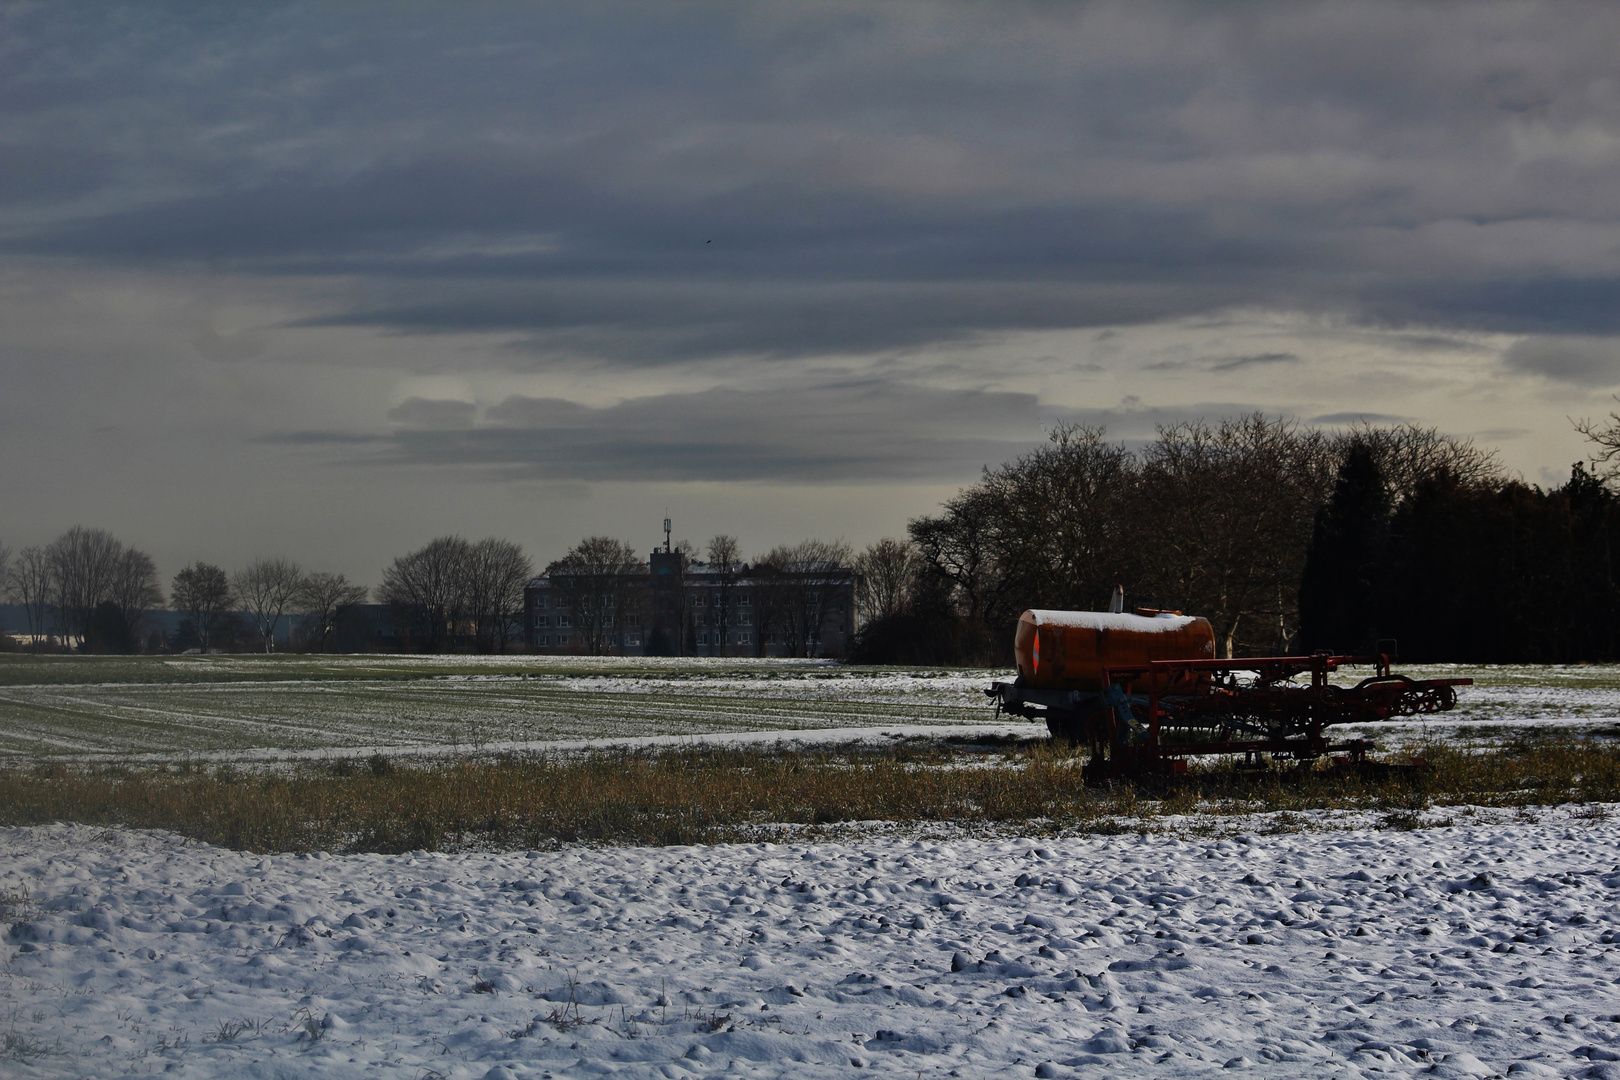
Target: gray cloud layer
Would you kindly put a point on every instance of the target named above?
(778, 194)
(869, 430)
(652, 181)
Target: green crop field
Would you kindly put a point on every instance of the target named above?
(122, 706)
(117, 707)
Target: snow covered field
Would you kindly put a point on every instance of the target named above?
(216, 710)
(1510, 699)
(1476, 949)
(259, 707)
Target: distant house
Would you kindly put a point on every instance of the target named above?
(675, 606)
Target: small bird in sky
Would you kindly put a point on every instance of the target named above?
(708, 241)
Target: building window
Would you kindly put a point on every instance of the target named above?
(743, 619)
(703, 639)
(541, 620)
(742, 599)
(562, 620)
(633, 619)
(745, 638)
(543, 641)
(542, 601)
(562, 641)
(632, 639)
(607, 620)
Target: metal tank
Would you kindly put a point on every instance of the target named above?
(1077, 650)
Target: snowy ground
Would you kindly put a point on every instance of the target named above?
(1509, 700)
(258, 708)
(1470, 950)
(418, 711)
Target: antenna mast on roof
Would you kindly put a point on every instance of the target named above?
(667, 548)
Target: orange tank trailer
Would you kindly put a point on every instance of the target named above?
(1071, 650)
(1146, 692)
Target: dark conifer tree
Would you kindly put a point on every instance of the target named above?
(1339, 589)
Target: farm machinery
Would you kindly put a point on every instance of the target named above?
(1145, 692)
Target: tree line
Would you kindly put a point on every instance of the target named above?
(1288, 539)
(87, 591)
(94, 588)
(1216, 519)
(1480, 570)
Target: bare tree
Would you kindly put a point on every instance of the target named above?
(267, 588)
(725, 559)
(426, 587)
(1057, 518)
(83, 564)
(319, 600)
(1407, 454)
(493, 576)
(595, 581)
(1227, 512)
(29, 583)
(202, 592)
(883, 578)
(960, 547)
(134, 588)
(1605, 437)
(804, 582)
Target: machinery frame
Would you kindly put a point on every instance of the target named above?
(1132, 732)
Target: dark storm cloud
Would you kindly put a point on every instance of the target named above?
(646, 321)
(453, 214)
(1584, 361)
(1219, 364)
(484, 244)
(646, 182)
(38, 172)
(1235, 363)
(852, 431)
(1540, 305)
(433, 413)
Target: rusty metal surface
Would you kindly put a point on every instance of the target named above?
(1054, 653)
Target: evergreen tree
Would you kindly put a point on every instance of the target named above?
(1339, 589)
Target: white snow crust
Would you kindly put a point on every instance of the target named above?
(1478, 949)
(1109, 620)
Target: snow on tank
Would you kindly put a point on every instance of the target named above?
(1161, 623)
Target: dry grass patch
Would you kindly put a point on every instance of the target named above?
(717, 794)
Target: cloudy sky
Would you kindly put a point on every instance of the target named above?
(331, 279)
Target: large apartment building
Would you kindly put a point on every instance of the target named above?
(675, 606)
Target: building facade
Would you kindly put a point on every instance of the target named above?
(675, 606)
